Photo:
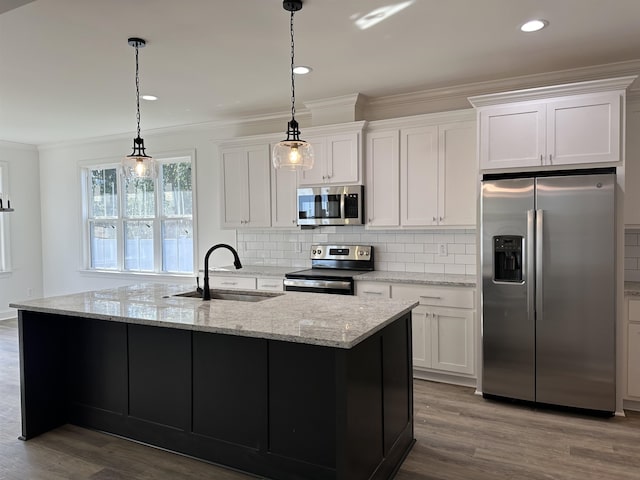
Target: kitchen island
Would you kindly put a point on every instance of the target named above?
(294, 386)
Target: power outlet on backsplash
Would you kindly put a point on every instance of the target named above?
(442, 249)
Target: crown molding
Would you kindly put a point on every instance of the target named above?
(578, 88)
(18, 146)
(457, 96)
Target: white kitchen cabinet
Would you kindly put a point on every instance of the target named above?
(632, 167)
(270, 284)
(383, 179)
(419, 176)
(373, 289)
(443, 327)
(422, 175)
(633, 347)
(246, 190)
(233, 282)
(575, 124)
(444, 331)
(337, 160)
(284, 208)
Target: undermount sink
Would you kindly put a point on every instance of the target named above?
(230, 295)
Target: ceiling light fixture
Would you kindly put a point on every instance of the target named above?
(138, 164)
(293, 153)
(301, 69)
(533, 25)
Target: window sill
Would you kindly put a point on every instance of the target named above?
(138, 276)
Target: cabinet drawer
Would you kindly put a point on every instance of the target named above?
(228, 281)
(634, 310)
(457, 297)
(274, 284)
(373, 289)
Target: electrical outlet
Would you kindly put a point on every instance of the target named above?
(442, 249)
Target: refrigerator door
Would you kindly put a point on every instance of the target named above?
(508, 334)
(575, 304)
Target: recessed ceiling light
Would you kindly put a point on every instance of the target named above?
(533, 25)
(151, 98)
(301, 69)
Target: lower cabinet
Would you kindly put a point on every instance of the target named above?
(443, 328)
(633, 349)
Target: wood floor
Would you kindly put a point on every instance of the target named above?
(460, 436)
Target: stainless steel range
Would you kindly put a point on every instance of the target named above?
(333, 268)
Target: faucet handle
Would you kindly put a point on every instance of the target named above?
(198, 289)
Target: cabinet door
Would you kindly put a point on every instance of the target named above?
(235, 188)
(317, 175)
(246, 187)
(632, 168)
(383, 179)
(421, 337)
(419, 176)
(633, 359)
(452, 335)
(457, 174)
(585, 129)
(512, 136)
(259, 168)
(342, 158)
(284, 209)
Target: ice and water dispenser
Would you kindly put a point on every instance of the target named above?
(507, 258)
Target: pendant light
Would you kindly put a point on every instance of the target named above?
(138, 164)
(293, 153)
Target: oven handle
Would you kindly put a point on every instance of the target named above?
(299, 282)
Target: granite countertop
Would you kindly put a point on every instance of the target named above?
(375, 276)
(253, 270)
(632, 288)
(330, 320)
(420, 278)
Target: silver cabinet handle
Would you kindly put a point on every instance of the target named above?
(430, 296)
(434, 219)
(440, 219)
(228, 283)
(550, 159)
(270, 285)
(541, 159)
(372, 293)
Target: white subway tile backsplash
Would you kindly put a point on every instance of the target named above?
(401, 251)
(632, 255)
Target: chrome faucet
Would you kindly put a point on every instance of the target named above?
(206, 294)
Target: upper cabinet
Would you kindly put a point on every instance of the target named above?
(246, 197)
(422, 173)
(632, 166)
(337, 155)
(574, 124)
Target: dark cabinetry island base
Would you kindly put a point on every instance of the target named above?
(278, 409)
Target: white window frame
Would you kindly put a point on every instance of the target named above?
(5, 221)
(168, 157)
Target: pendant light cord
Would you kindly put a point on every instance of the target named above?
(137, 92)
(293, 83)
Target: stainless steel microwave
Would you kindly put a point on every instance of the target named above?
(331, 205)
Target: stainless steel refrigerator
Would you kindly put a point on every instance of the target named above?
(548, 282)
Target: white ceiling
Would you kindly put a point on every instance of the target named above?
(67, 72)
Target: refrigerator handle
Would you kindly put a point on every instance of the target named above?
(539, 262)
(530, 259)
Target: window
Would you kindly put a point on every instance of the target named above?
(5, 219)
(140, 225)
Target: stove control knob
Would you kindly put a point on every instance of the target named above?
(319, 251)
(360, 253)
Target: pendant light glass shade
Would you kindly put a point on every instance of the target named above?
(138, 164)
(292, 153)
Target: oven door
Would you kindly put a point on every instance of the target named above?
(339, 287)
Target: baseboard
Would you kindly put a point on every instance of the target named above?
(444, 378)
(631, 405)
